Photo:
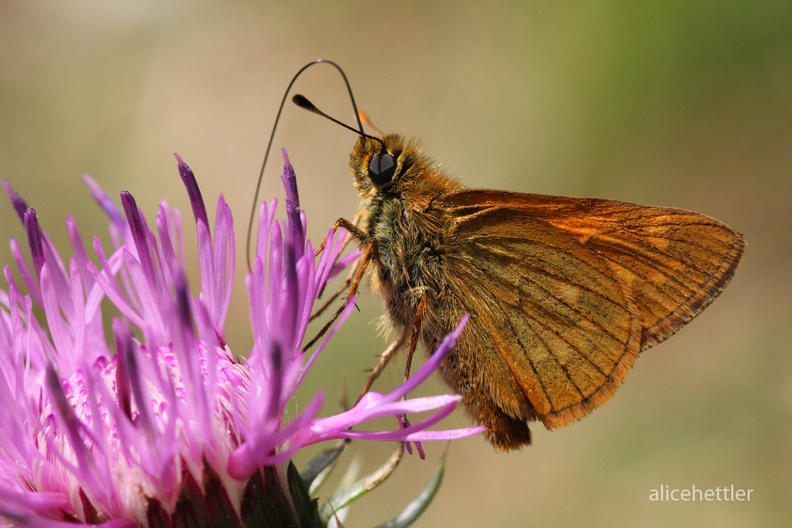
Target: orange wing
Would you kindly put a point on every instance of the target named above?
(565, 292)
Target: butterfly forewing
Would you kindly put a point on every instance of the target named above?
(565, 292)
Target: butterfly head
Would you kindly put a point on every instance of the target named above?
(378, 164)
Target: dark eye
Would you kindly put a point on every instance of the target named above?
(382, 167)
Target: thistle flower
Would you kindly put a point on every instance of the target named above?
(164, 425)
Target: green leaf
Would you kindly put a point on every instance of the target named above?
(345, 497)
(416, 508)
(266, 503)
(319, 467)
(306, 508)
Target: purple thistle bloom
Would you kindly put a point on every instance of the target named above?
(164, 425)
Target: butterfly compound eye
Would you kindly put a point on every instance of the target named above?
(382, 168)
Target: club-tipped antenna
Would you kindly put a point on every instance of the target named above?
(304, 103)
(272, 137)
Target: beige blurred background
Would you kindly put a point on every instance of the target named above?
(676, 103)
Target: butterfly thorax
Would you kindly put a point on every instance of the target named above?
(408, 230)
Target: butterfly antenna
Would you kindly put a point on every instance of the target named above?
(272, 137)
(304, 103)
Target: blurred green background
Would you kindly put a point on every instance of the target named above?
(676, 103)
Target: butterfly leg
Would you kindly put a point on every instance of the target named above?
(383, 360)
(413, 331)
(353, 231)
(350, 274)
(369, 253)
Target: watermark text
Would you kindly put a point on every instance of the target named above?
(730, 493)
